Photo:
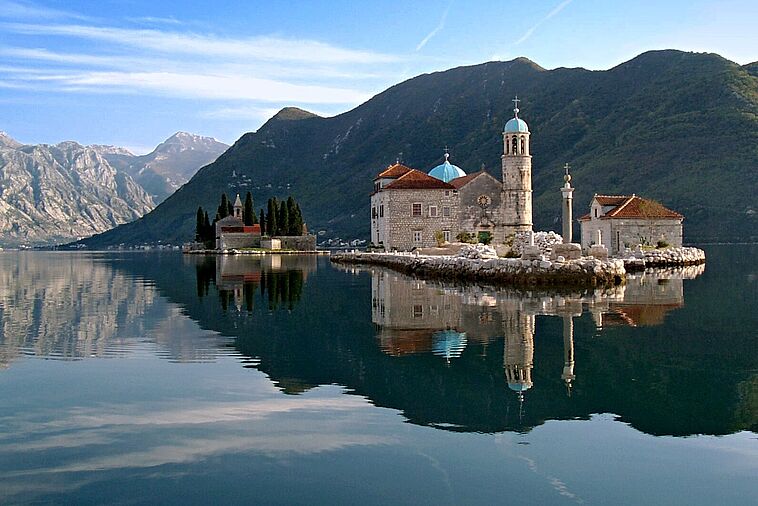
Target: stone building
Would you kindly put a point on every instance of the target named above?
(620, 221)
(408, 207)
(232, 233)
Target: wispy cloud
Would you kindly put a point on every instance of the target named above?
(259, 48)
(440, 26)
(558, 8)
(253, 71)
(22, 10)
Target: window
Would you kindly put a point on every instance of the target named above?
(447, 193)
(381, 211)
(418, 311)
(596, 212)
(523, 148)
(433, 211)
(446, 211)
(373, 212)
(377, 186)
(514, 143)
(416, 209)
(417, 236)
(446, 235)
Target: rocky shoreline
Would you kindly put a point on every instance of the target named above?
(585, 271)
(640, 260)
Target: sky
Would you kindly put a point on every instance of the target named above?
(132, 72)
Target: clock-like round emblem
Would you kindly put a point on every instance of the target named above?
(484, 201)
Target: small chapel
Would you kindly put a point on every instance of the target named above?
(410, 207)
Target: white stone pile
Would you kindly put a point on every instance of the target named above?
(477, 252)
(543, 240)
(674, 256)
(585, 271)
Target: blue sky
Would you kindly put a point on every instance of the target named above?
(131, 73)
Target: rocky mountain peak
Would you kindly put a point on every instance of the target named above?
(7, 141)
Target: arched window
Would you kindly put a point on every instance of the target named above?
(514, 142)
(523, 146)
(507, 146)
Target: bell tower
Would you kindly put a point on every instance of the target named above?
(517, 174)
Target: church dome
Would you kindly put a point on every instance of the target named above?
(516, 125)
(448, 343)
(446, 171)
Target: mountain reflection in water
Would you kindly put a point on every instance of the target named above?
(461, 358)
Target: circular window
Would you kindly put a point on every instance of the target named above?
(484, 201)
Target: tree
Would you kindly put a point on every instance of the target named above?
(263, 222)
(271, 213)
(248, 214)
(199, 225)
(299, 224)
(284, 221)
(223, 208)
(207, 228)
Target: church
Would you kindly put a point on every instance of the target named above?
(410, 208)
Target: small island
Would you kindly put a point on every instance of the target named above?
(237, 229)
(415, 215)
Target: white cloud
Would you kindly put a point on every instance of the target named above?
(258, 48)
(558, 8)
(440, 26)
(23, 10)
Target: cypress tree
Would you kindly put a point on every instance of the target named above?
(199, 229)
(223, 208)
(229, 208)
(291, 220)
(298, 226)
(248, 214)
(207, 228)
(284, 222)
(263, 222)
(272, 227)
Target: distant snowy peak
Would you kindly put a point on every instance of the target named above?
(183, 141)
(105, 149)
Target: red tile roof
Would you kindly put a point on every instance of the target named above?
(633, 207)
(394, 171)
(462, 181)
(417, 180)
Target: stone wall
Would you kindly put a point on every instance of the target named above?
(229, 240)
(472, 218)
(298, 242)
(619, 234)
(402, 225)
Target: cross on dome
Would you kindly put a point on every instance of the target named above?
(515, 101)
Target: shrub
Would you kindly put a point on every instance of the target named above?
(484, 237)
(662, 244)
(465, 237)
(439, 237)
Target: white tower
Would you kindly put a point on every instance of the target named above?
(568, 207)
(517, 174)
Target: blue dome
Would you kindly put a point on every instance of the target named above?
(516, 125)
(448, 343)
(447, 171)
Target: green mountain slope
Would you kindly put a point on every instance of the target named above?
(678, 127)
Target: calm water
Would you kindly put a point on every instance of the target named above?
(158, 378)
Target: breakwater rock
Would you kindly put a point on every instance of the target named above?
(638, 260)
(585, 271)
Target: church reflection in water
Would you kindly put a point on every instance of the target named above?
(414, 316)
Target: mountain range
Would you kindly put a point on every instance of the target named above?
(50, 194)
(171, 164)
(678, 127)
